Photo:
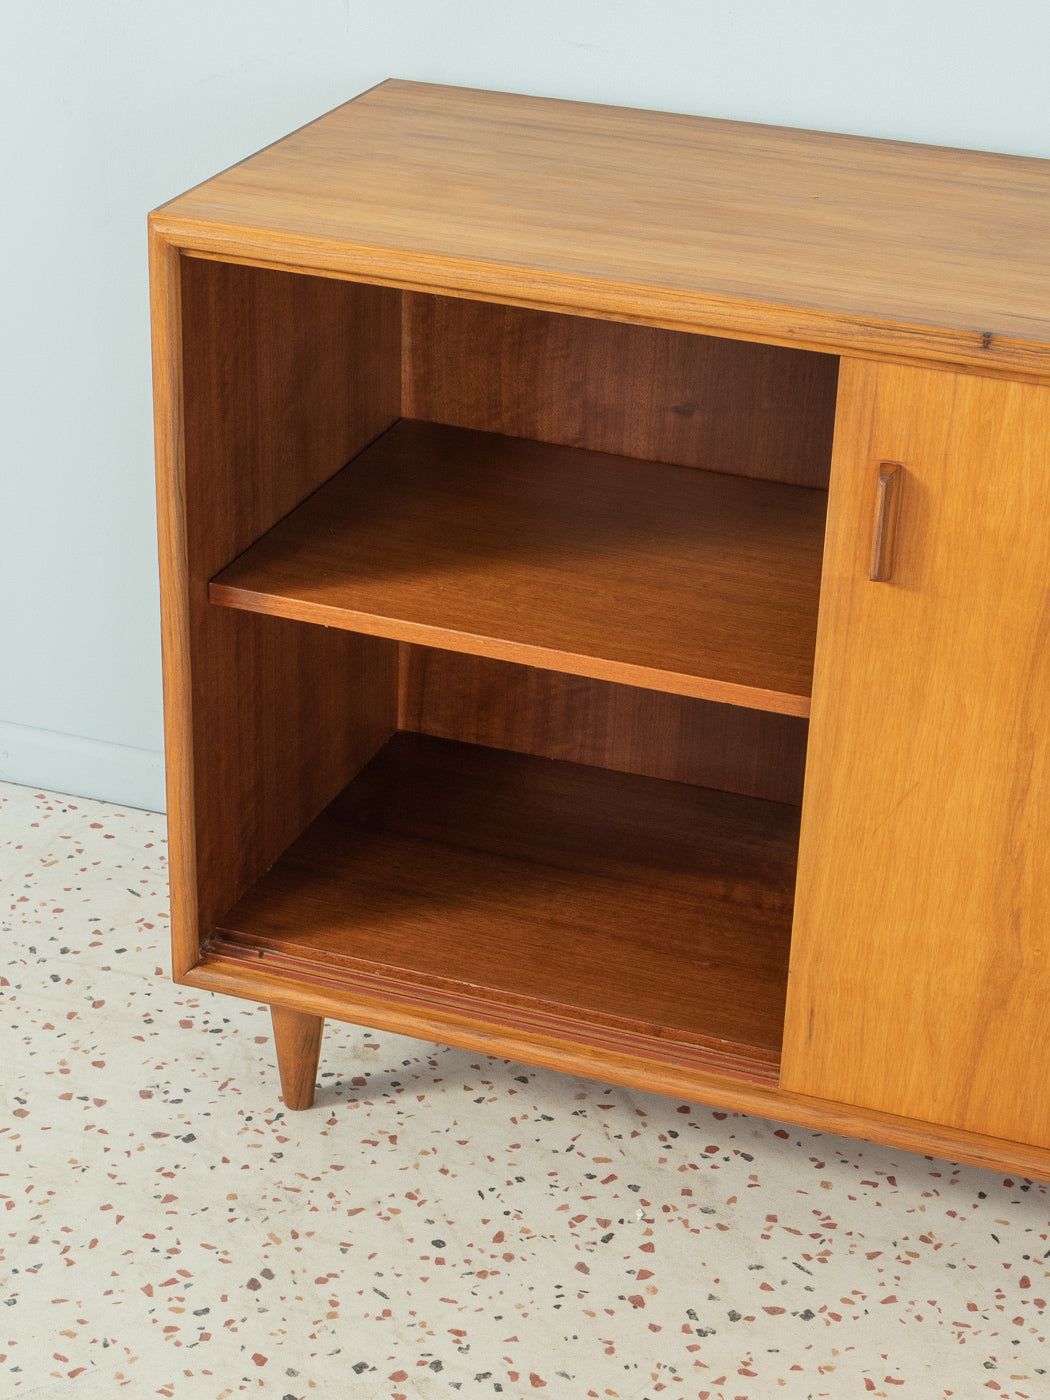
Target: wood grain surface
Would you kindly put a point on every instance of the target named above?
(691, 400)
(692, 582)
(802, 237)
(297, 1042)
(625, 728)
(921, 952)
(651, 906)
(268, 382)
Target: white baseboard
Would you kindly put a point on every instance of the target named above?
(82, 767)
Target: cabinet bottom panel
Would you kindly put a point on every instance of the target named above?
(503, 888)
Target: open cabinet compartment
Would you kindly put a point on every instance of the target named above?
(544, 777)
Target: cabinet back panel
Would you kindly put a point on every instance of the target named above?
(526, 710)
(690, 400)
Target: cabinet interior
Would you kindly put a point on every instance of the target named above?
(501, 633)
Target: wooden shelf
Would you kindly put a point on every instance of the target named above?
(665, 577)
(649, 911)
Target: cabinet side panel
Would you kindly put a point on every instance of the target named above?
(501, 705)
(284, 379)
(166, 323)
(691, 400)
(920, 979)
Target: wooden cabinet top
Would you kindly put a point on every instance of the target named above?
(834, 242)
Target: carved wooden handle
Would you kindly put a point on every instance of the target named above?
(887, 509)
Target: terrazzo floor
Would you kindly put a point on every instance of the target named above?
(439, 1224)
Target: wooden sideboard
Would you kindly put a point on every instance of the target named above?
(605, 601)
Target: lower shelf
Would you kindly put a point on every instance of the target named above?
(609, 908)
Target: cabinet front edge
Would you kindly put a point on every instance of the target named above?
(803, 328)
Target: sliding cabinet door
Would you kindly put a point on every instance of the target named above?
(920, 980)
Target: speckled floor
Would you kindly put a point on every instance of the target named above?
(439, 1223)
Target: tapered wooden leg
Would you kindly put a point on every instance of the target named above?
(297, 1038)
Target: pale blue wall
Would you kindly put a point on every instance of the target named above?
(110, 106)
